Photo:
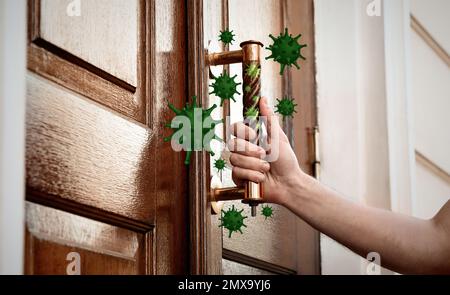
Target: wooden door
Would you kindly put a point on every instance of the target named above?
(105, 194)
(283, 244)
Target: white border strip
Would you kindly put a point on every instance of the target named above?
(12, 134)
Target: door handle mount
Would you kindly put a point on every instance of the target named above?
(250, 58)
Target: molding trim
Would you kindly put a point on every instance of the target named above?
(257, 263)
(434, 168)
(417, 27)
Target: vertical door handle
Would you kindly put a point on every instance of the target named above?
(250, 58)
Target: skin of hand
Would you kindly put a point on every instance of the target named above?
(247, 158)
(406, 244)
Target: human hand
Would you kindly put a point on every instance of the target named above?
(249, 160)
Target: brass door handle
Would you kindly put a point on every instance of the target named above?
(250, 57)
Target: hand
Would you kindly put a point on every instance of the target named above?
(248, 159)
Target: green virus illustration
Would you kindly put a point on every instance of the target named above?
(232, 220)
(225, 87)
(196, 118)
(251, 113)
(286, 107)
(226, 36)
(220, 164)
(286, 50)
(253, 70)
(267, 211)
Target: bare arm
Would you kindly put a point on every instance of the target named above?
(405, 244)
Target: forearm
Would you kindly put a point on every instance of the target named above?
(405, 244)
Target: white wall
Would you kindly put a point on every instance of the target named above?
(431, 94)
(12, 133)
(363, 111)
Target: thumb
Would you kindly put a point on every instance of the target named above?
(266, 111)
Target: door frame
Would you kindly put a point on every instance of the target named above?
(203, 259)
(12, 134)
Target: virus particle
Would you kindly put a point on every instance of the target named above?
(251, 113)
(267, 211)
(286, 107)
(232, 220)
(220, 164)
(286, 50)
(225, 87)
(226, 36)
(188, 137)
(253, 70)
(248, 89)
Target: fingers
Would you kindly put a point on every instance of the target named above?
(250, 163)
(243, 147)
(240, 130)
(241, 174)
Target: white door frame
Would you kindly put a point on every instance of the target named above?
(364, 110)
(13, 31)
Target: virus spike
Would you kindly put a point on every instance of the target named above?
(267, 211)
(194, 101)
(286, 107)
(211, 109)
(286, 50)
(232, 220)
(225, 87)
(220, 164)
(187, 161)
(217, 138)
(189, 142)
(174, 109)
(226, 36)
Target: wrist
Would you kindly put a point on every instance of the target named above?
(297, 187)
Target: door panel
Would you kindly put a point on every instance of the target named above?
(235, 268)
(97, 167)
(94, 157)
(103, 248)
(101, 51)
(105, 34)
